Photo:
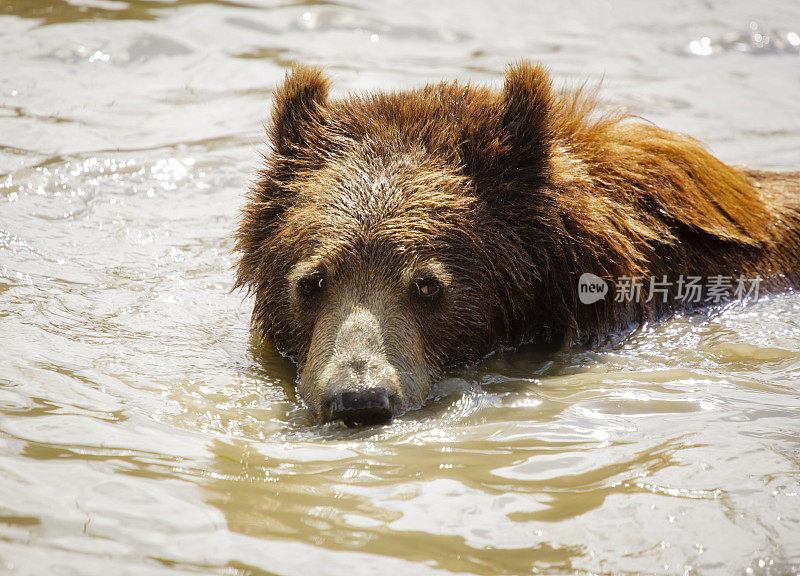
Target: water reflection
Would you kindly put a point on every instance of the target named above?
(757, 40)
(63, 11)
(362, 501)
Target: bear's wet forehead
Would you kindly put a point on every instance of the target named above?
(365, 201)
(369, 191)
(384, 216)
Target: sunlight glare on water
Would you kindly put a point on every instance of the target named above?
(144, 431)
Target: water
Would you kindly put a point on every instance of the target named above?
(142, 430)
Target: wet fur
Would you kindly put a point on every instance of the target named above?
(515, 193)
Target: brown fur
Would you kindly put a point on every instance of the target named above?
(505, 198)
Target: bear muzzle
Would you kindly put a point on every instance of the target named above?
(354, 373)
(356, 408)
(361, 393)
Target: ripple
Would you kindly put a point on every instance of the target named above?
(757, 40)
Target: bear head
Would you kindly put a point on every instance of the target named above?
(392, 235)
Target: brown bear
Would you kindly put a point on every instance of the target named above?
(390, 236)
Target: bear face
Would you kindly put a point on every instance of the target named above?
(381, 278)
(363, 242)
(390, 236)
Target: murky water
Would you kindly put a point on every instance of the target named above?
(143, 432)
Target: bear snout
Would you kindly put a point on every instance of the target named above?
(355, 372)
(361, 393)
(356, 408)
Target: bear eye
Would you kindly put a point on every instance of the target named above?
(311, 284)
(428, 288)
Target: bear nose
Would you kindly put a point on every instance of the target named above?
(360, 408)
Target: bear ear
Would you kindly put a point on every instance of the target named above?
(527, 103)
(297, 105)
